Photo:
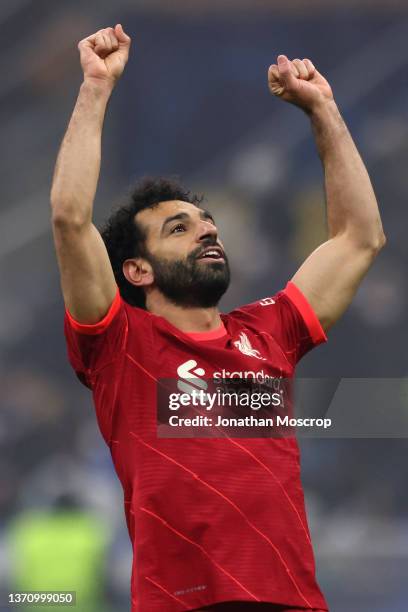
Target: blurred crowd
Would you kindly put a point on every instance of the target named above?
(194, 103)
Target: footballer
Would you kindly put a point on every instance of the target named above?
(217, 523)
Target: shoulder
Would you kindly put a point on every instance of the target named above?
(285, 310)
(260, 309)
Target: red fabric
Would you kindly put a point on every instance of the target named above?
(97, 328)
(244, 606)
(209, 335)
(214, 519)
(312, 322)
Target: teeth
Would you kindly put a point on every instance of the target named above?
(212, 253)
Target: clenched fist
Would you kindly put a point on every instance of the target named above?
(298, 82)
(104, 55)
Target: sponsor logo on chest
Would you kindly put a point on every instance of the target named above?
(191, 375)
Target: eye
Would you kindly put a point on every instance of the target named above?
(180, 227)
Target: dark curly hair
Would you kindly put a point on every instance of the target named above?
(125, 238)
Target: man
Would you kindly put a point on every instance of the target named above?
(216, 523)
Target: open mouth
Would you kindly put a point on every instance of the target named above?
(212, 254)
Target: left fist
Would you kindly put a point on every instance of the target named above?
(298, 82)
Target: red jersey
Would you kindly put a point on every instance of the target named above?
(215, 519)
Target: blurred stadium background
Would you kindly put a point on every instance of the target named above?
(194, 102)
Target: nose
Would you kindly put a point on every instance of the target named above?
(207, 231)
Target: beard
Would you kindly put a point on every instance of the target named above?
(189, 283)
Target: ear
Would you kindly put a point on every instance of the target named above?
(138, 271)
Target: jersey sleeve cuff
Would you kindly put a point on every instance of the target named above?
(100, 326)
(309, 316)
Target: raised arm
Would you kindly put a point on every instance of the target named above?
(331, 275)
(87, 279)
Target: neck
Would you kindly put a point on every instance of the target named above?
(185, 318)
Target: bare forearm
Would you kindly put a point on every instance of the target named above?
(331, 274)
(351, 202)
(78, 164)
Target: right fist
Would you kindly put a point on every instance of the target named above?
(104, 55)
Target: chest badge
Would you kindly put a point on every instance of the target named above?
(244, 345)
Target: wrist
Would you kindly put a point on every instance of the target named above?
(323, 109)
(100, 88)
